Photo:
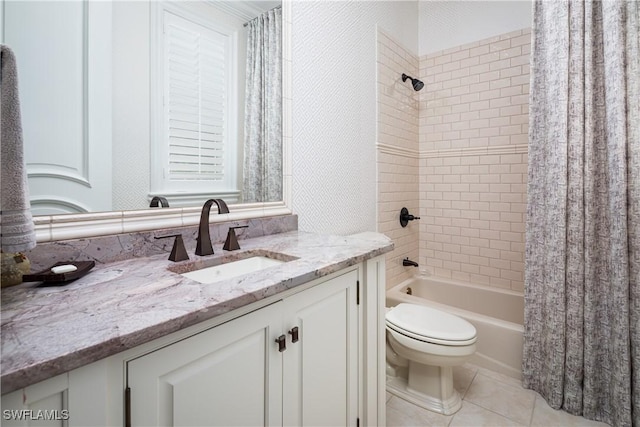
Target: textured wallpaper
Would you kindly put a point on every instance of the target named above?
(334, 109)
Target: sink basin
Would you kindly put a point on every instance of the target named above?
(231, 266)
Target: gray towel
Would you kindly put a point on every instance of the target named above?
(17, 231)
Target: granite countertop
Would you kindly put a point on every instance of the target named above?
(47, 331)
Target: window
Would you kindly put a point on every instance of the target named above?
(194, 149)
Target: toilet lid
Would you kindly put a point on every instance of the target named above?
(429, 323)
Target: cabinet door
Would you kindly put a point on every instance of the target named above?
(41, 404)
(321, 368)
(225, 376)
(74, 399)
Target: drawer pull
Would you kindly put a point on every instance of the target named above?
(294, 334)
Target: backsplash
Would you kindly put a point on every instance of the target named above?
(120, 247)
(473, 144)
(455, 154)
(397, 148)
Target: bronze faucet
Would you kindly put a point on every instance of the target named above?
(203, 242)
(159, 201)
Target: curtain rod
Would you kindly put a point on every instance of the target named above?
(274, 8)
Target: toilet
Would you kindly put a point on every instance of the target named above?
(423, 345)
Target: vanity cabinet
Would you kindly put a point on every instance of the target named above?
(294, 362)
(229, 370)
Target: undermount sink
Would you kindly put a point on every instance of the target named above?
(231, 266)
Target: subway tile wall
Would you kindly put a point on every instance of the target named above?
(455, 153)
(473, 160)
(397, 153)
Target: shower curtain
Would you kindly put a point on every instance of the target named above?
(582, 260)
(263, 109)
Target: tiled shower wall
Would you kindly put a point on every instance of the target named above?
(473, 166)
(397, 149)
(463, 167)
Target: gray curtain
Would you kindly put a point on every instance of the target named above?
(582, 261)
(263, 109)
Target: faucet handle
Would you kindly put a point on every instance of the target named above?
(178, 251)
(231, 244)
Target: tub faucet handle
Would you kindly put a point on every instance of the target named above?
(405, 217)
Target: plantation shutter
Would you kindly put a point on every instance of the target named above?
(196, 96)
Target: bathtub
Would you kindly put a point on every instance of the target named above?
(497, 314)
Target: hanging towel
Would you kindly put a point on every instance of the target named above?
(16, 224)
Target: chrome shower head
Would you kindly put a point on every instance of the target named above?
(417, 84)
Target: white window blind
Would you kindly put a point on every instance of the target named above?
(195, 101)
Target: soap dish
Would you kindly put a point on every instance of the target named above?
(83, 267)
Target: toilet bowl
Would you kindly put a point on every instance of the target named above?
(423, 345)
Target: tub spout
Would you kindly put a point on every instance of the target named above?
(407, 262)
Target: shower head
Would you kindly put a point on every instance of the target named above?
(417, 84)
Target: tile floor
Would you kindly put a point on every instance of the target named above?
(488, 399)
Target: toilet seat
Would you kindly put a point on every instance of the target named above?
(430, 325)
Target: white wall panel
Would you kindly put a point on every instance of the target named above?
(63, 52)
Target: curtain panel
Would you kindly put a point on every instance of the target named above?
(582, 258)
(263, 109)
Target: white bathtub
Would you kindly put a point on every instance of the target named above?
(497, 315)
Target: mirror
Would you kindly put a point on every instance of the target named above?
(112, 115)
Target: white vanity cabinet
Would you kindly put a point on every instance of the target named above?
(294, 362)
(229, 370)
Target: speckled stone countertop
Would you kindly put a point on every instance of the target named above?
(47, 331)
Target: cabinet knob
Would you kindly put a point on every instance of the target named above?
(294, 334)
(282, 343)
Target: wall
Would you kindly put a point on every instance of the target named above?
(398, 165)
(473, 145)
(445, 24)
(334, 108)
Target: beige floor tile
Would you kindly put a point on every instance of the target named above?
(508, 400)
(498, 376)
(401, 413)
(546, 416)
(462, 377)
(471, 415)
(490, 399)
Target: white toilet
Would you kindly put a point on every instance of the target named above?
(423, 344)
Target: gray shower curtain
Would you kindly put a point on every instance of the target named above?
(582, 261)
(263, 109)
